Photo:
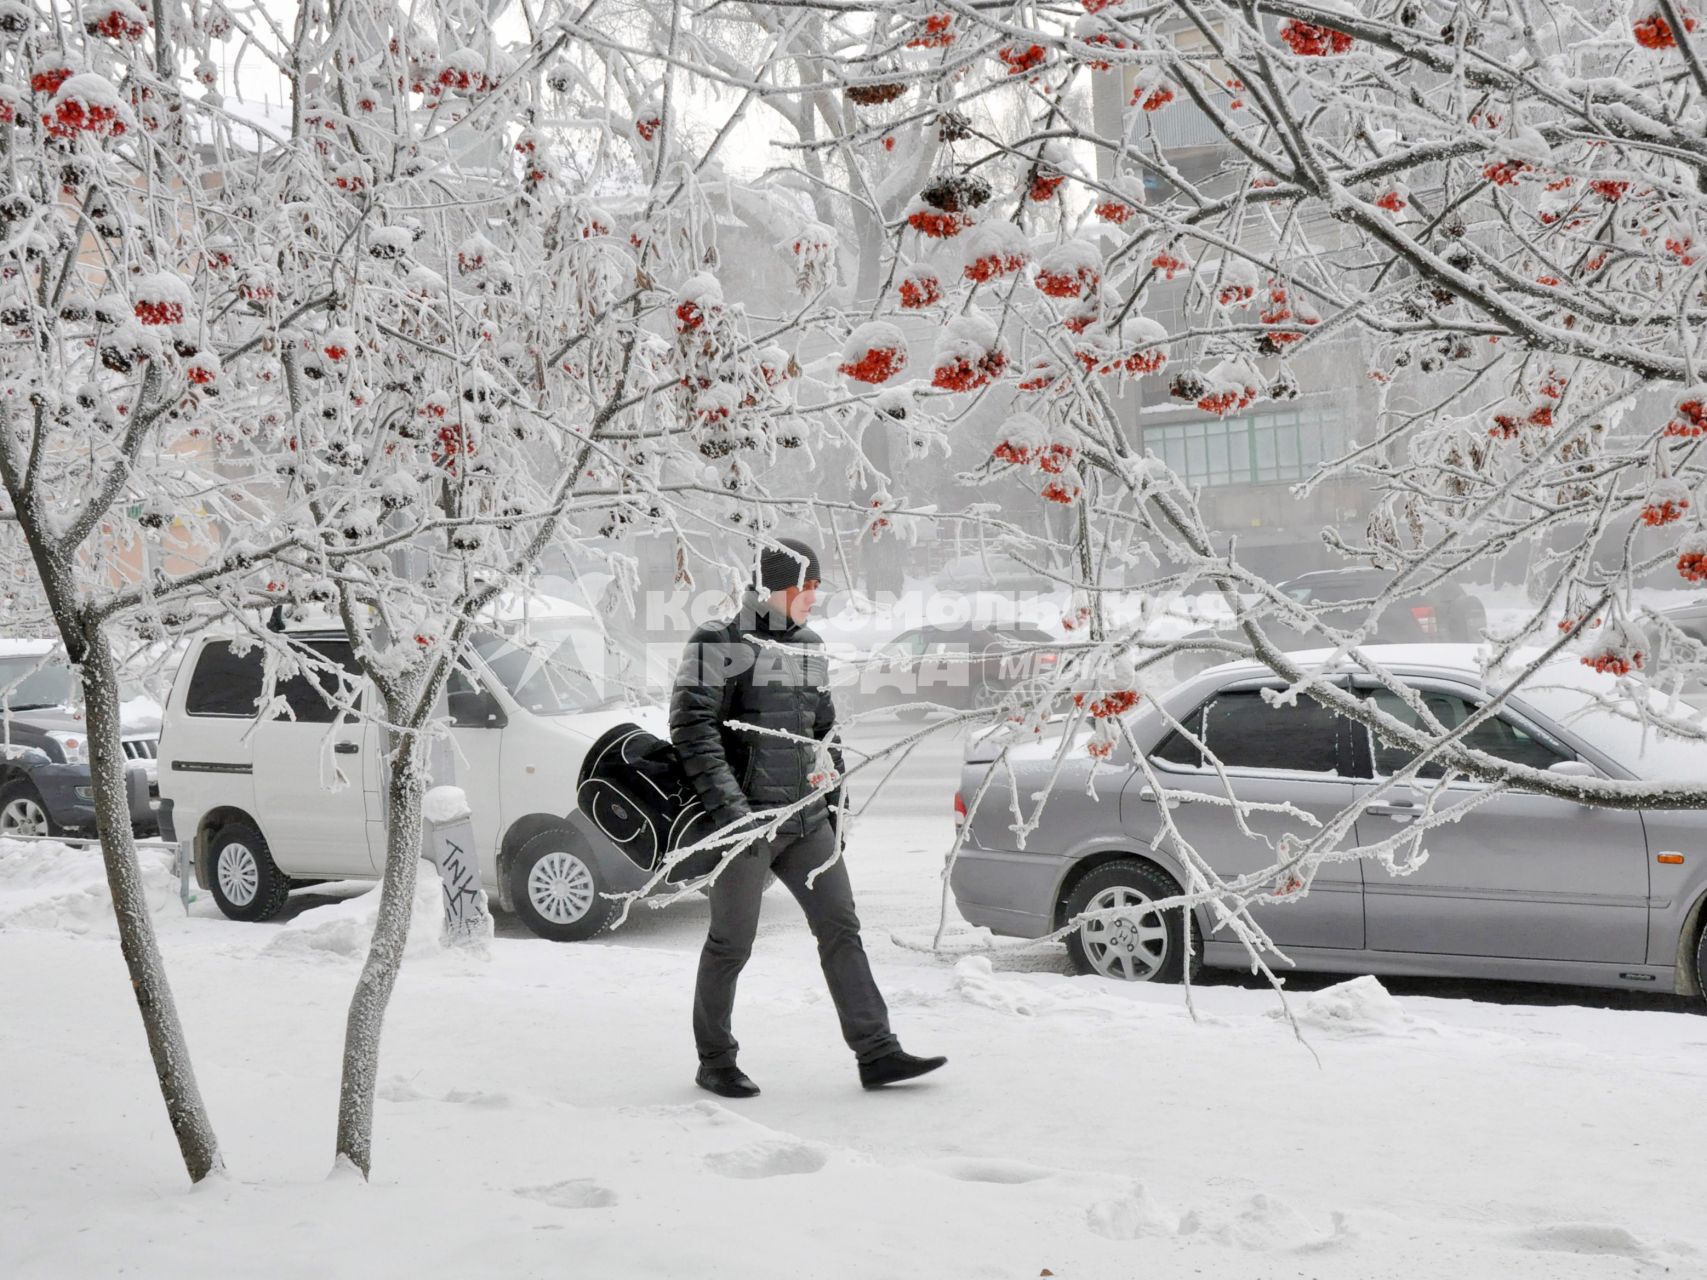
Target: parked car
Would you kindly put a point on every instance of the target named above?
(993, 572)
(45, 787)
(1522, 886)
(966, 666)
(267, 804)
(1443, 613)
(1691, 619)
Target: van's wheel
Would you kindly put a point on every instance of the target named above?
(246, 882)
(22, 812)
(1144, 946)
(557, 889)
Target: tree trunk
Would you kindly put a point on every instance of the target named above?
(385, 954)
(184, 1108)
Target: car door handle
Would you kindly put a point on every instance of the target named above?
(1400, 811)
(1149, 793)
(346, 748)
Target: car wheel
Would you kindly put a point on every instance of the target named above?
(1701, 962)
(1148, 945)
(246, 883)
(22, 812)
(557, 889)
(912, 715)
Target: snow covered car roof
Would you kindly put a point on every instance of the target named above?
(21, 647)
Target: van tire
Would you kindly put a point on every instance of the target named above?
(245, 881)
(558, 890)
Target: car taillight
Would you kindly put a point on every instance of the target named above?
(1427, 622)
(959, 810)
(1048, 659)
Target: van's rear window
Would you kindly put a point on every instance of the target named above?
(225, 683)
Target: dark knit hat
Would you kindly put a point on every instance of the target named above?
(789, 564)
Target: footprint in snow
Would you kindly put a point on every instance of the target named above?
(399, 1089)
(475, 1098)
(768, 1159)
(1131, 1216)
(1006, 1172)
(1582, 1237)
(576, 1193)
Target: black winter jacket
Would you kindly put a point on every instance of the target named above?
(758, 669)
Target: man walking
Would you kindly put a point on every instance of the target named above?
(752, 701)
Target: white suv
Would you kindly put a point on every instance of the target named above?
(267, 805)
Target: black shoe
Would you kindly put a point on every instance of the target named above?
(726, 1082)
(892, 1068)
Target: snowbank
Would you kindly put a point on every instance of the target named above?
(342, 930)
(48, 885)
(1361, 1007)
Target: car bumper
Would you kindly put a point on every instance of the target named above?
(67, 791)
(1012, 894)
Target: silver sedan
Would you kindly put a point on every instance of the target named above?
(1522, 886)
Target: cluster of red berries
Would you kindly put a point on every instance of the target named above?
(920, 291)
(938, 224)
(877, 365)
(1020, 61)
(1691, 419)
(964, 374)
(937, 33)
(1110, 705)
(1654, 32)
(1308, 40)
(1502, 173)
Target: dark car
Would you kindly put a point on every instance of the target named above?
(45, 787)
(963, 667)
(1443, 613)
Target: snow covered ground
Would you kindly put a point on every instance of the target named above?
(537, 1115)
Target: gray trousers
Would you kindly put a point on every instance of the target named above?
(829, 908)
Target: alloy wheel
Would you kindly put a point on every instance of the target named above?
(23, 817)
(1133, 946)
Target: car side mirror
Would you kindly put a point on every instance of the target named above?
(1574, 769)
(476, 709)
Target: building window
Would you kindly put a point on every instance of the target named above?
(1260, 448)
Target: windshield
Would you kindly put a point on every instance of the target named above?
(24, 685)
(1567, 693)
(555, 669)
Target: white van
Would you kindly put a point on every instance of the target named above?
(270, 805)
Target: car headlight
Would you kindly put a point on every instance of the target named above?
(74, 746)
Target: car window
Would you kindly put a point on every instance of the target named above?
(556, 670)
(28, 682)
(313, 698)
(1177, 749)
(225, 683)
(1497, 736)
(909, 644)
(1245, 732)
